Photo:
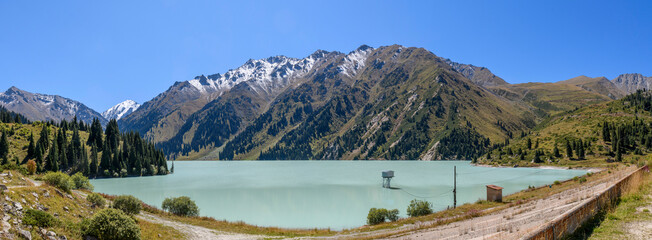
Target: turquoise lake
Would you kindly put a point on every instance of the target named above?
(322, 194)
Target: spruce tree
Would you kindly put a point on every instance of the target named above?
(84, 168)
(569, 150)
(105, 162)
(30, 148)
(555, 151)
(112, 135)
(4, 148)
(529, 143)
(93, 166)
(619, 153)
(53, 158)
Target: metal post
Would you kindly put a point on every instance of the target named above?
(454, 186)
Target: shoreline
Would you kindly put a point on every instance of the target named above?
(588, 169)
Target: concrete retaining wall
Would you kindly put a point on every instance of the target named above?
(574, 218)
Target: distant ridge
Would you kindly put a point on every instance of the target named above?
(43, 107)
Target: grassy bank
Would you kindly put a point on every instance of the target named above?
(630, 219)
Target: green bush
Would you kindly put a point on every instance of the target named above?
(419, 208)
(111, 224)
(376, 216)
(379, 215)
(582, 180)
(59, 180)
(392, 215)
(557, 182)
(96, 200)
(128, 204)
(181, 206)
(38, 218)
(81, 182)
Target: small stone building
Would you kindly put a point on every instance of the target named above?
(494, 193)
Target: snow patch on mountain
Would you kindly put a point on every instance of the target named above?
(122, 109)
(355, 60)
(261, 74)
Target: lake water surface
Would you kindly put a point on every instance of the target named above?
(321, 194)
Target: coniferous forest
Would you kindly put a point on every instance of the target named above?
(74, 146)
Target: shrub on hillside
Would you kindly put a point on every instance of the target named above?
(128, 204)
(380, 215)
(419, 208)
(38, 218)
(81, 182)
(31, 167)
(59, 180)
(376, 216)
(96, 200)
(111, 224)
(182, 206)
(392, 215)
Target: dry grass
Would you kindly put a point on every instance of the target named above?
(150, 230)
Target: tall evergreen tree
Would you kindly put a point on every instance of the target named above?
(95, 134)
(52, 162)
(4, 148)
(112, 135)
(94, 161)
(30, 148)
(569, 150)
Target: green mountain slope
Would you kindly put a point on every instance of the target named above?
(396, 105)
(594, 134)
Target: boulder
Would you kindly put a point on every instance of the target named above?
(25, 234)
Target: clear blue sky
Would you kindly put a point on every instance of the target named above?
(104, 52)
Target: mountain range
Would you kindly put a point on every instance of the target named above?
(391, 102)
(45, 107)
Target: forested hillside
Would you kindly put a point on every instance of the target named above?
(616, 131)
(77, 147)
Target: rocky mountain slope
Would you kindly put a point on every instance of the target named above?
(42, 107)
(631, 82)
(120, 110)
(161, 118)
(377, 98)
(479, 75)
(600, 85)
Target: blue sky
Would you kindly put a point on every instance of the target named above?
(104, 52)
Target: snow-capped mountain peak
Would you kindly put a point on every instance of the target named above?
(260, 73)
(355, 60)
(122, 109)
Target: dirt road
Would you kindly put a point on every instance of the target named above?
(193, 232)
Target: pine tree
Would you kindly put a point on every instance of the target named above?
(44, 140)
(569, 150)
(112, 135)
(93, 166)
(95, 134)
(4, 148)
(84, 168)
(105, 162)
(555, 151)
(52, 163)
(30, 148)
(529, 143)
